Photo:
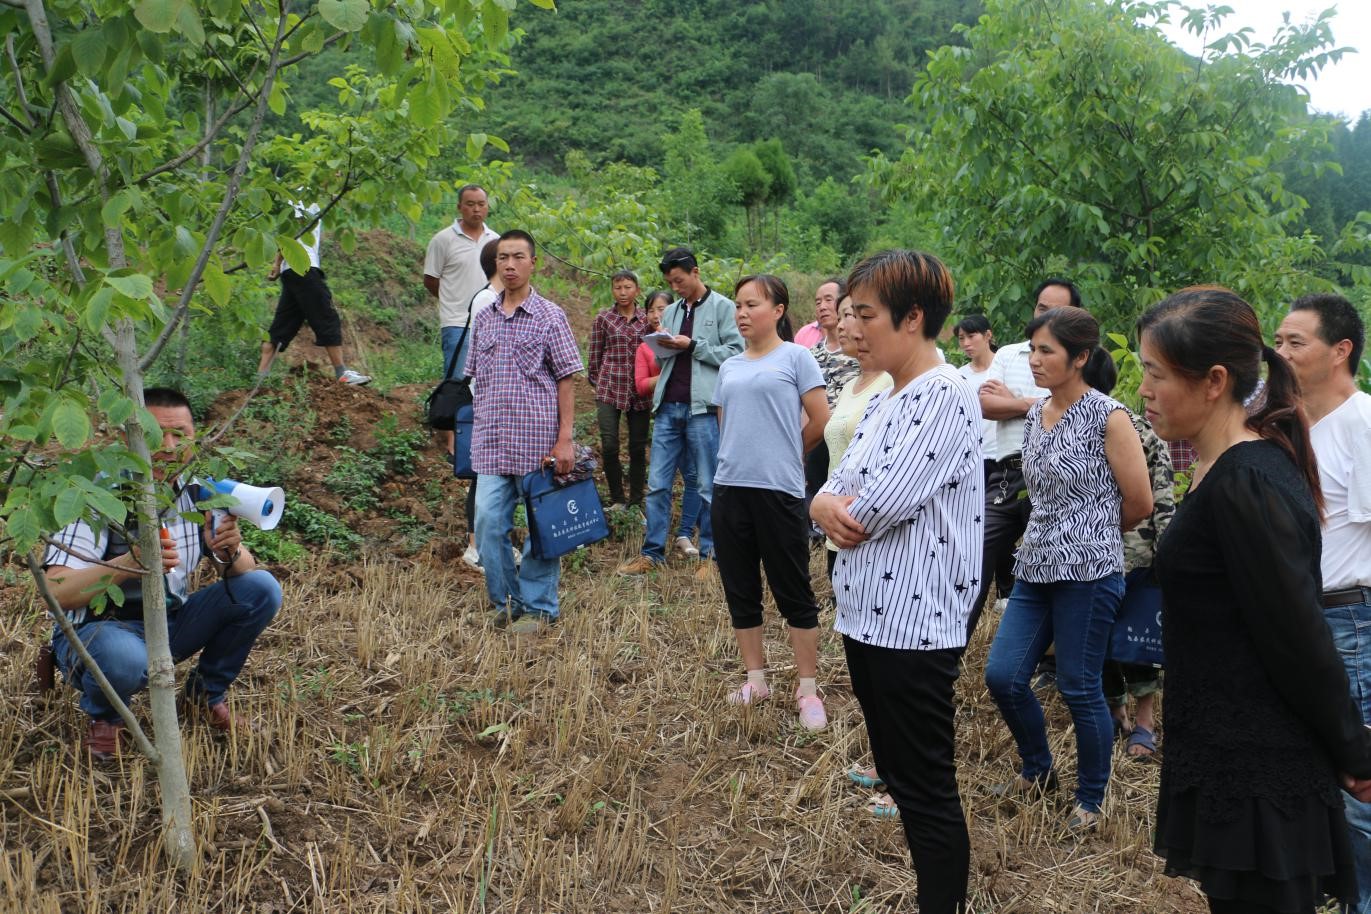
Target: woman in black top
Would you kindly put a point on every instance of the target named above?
(1261, 730)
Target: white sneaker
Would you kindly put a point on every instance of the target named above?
(686, 547)
(356, 378)
(518, 556)
(473, 558)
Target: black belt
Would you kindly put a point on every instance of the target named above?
(1014, 462)
(1349, 597)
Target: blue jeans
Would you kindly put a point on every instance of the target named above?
(1351, 628)
(691, 516)
(455, 338)
(221, 624)
(677, 436)
(532, 587)
(1079, 616)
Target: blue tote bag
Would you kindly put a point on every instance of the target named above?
(1137, 635)
(562, 518)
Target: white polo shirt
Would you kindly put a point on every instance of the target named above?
(455, 260)
(1010, 366)
(1342, 444)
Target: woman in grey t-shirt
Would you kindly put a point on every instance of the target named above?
(772, 409)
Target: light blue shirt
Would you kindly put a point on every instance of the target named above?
(760, 442)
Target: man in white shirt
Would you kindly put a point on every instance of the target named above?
(452, 270)
(1006, 397)
(1322, 338)
(307, 300)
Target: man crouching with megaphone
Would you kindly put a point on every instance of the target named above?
(221, 621)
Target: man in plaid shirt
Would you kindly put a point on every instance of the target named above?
(614, 340)
(524, 361)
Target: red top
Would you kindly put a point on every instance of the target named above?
(645, 368)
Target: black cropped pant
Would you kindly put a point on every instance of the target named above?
(756, 529)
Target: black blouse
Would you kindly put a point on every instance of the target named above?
(1257, 698)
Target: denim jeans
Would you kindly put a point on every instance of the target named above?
(1079, 616)
(222, 624)
(532, 587)
(692, 518)
(455, 338)
(1351, 628)
(676, 434)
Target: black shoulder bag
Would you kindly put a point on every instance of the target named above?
(452, 394)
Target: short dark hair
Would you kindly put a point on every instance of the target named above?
(776, 290)
(972, 323)
(626, 274)
(1075, 328)
(166, 398)
(488, 258)
(1066, 284)
(903, 280)
(521, 235)
(461, 191)
(664, 294)
(1338, 321)
(838, 281)
(682, 257)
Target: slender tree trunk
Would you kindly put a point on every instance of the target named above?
(178, 838)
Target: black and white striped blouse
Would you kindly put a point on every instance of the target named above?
(1073, 531)
(915, 466)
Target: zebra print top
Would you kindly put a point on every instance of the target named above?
(1073, 529)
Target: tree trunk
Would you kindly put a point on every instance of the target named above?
(178, 838)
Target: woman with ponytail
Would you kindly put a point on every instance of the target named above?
(1261, 729)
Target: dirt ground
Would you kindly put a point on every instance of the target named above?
(413, 758)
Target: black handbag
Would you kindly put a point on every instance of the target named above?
(451, 394)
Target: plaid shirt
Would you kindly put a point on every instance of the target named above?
(613, 344)
(516, 363)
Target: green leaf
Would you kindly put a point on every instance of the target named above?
(63, 68)
(97, 311)
(544, 4)
(23, 525)
(71, 424)
(68, 506)
(277, 100)
(294, 253)
(344, 15)
(133, 285)
(102, 500)
(115, 207)
(156, 15)
(217, 284)
(88, 48)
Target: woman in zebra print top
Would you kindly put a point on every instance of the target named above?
(1088, 482)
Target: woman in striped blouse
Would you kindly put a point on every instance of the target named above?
(904, 508)
(1088, 482)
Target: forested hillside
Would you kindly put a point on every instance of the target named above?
(826, 77)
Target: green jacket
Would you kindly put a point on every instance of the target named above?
(716, 336)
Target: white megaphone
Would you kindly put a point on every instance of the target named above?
(258, 506)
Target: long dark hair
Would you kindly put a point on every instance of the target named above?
(776, 293)
(1203, 326)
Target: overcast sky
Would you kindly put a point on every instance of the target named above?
(1342, 88)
